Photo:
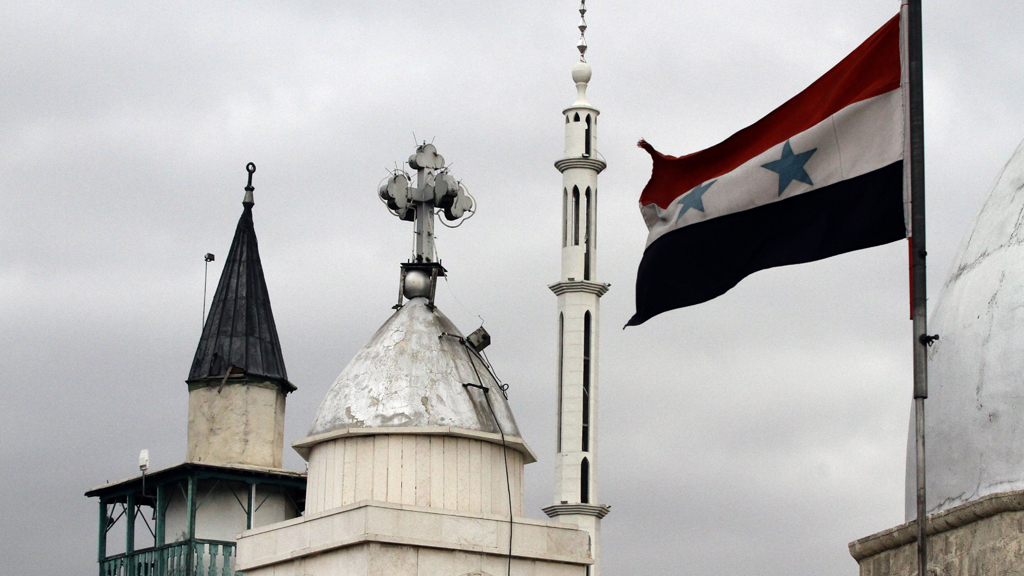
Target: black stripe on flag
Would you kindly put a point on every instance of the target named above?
(705, 260)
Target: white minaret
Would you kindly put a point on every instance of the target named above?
(579, 293)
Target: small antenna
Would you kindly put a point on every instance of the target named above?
(144, 467)
(206, 269)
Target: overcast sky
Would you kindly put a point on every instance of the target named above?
(757, 433)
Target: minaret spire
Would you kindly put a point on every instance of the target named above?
(582, 44)
(579, 292)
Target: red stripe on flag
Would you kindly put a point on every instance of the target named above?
(870, 70)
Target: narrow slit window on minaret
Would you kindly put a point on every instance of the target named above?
(586, 138)
(586, 383)
(576, 117)
(585, 481)
(586, 237)
(565, 217)
(575, 216)
(561, 356)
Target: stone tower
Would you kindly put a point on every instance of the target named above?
(579, 292)
(237, 384)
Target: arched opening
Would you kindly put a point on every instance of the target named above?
(587, 232)
(576, 117)
(561, 356)
(566, 118)
(586, 382)
(575, 216)
(585, 481)
(565, 217)
(586, 138)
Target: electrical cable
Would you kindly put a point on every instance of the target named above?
(504, 447)
(456, 298)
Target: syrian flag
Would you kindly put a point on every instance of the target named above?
(819, 176)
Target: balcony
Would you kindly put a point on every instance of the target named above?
(189, 558)
(182, 520)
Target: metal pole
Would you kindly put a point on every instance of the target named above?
(250, 513)
(206, 271)
(922, 510)
(102, 548)
(129, 533)
(190, 507)
(161, 526)
(911, 10)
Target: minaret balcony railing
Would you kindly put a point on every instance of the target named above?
(189, 558)
(596, 510)
(586, 286)
(580, 162)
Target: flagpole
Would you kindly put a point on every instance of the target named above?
(911, 10)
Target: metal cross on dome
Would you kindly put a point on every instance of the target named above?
(435, 189)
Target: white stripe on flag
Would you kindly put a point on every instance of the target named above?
(858, 139)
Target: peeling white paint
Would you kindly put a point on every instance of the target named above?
(409, 374)
(239, 423)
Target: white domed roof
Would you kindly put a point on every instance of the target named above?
(975, 409)
(411, 374)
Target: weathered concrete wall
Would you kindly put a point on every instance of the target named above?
(375, 539)
(436, 471)
(220, 516)
(236, 424)
(984, 537)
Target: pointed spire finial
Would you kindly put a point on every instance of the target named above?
(239, 335)
(581, 70)
(251, 169)
(582, 44)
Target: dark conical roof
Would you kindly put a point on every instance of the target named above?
(240, 330)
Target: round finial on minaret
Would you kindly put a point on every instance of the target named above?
(251, 169)
(581, 73)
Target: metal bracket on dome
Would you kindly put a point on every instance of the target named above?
(419, 280)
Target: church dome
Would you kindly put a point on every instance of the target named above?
(412, 374)
(975, 409)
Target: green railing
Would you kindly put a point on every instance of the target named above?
(195, 558)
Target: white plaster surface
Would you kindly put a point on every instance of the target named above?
(236, 424)
(220, 516)
(409, 375)
(975, 409)
(434, 471)
(573, 305)
(375, 538)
